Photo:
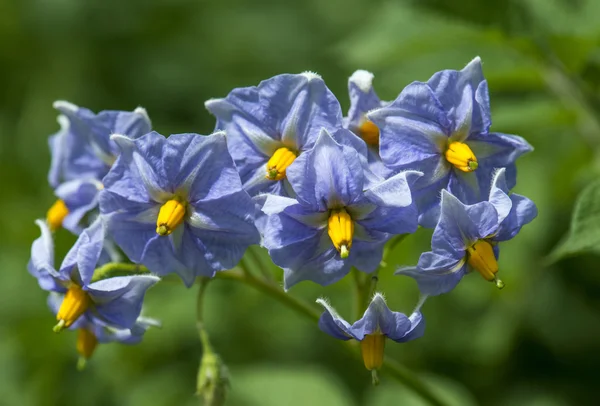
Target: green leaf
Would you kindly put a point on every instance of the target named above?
(390, 393)
(276, 386)
(584, 235)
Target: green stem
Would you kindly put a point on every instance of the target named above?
(118, 269)
(360, 293)
(393, 368)
(272, 290)
(206, 347)
(257, 258)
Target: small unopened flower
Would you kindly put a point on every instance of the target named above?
(92, 331)
(377, 325)
(116, 301)
(362, 100)
(82, 154)
(466, 238)
(442, 128)
(338, 219)
(177, 205)
(270, 125)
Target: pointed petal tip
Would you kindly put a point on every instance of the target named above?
(362, 79)
(211, 102)
(65, 106)
(311, 75)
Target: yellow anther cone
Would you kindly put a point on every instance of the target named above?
(369, 132)
(281, 159)
(482, 259)
(86, 343)
(75, 303)
(372, 348)
(170, 216)
(56, 214)
(460, 155)
(340, 228)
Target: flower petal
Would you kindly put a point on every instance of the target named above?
(41, 264)
(461, 225)
(331, 323)
(328, 176)
(84, 255)
(118, 300)
(435, 274)
(412, 128)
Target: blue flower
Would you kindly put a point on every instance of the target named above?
(466, 238)
(441, 128)
(338, 219)
(362, 100)
(270, 125)
(377, 324)
(116, 301)
(177, 204)
(82, 154)
(92, 331)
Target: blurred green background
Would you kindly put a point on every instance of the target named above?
(535, 343)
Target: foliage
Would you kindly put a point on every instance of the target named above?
(536, 342)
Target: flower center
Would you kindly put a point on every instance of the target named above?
(369, 132)
(480, 256)
(372, 347)
(56, 214)
(86, 343)
(460, 155)
(75, 303)
(340, 228)
(170, 216)
(281, 159)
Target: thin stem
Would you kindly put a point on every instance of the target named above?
(206, 347)
(393, 368)
(118, 269)
(272, 290)
(360, 295)
(257, 258)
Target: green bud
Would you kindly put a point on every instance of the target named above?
(213, 379)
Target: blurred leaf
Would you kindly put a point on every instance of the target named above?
(391, 393)
(584, 235)
(276, 386)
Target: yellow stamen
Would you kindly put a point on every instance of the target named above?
(281, 159)
(372, 347)
(340, 228)
(86, 343)
(56, 214)
(75, 303)
(460, 155)
(369, 132)
(481, 258)
(170, 216)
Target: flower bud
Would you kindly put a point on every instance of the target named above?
(213, 379)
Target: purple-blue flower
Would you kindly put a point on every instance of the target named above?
(270, 125)
(93, 331)
(116, 301)
(377, 324)
(442, 128)
(177, 205)
(362, 100)
(466, 238)
(82, 154)
(338, 219)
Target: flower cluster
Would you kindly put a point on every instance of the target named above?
(284, 169)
